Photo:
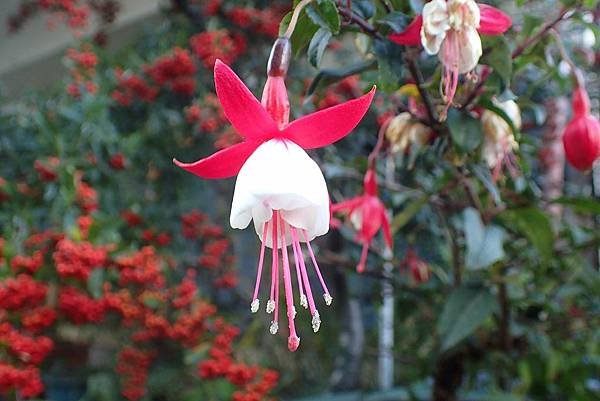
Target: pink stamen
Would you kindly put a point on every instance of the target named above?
(293, 339)
(316, 320)
(326, 294)
(450, 78)
(362, 264)
(255, 302)
(275, 251)
(303, 299)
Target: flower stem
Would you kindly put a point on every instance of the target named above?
(295, 15)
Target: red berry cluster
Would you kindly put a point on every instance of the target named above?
(47, 168)
(265, 22)
(133, 365)
(216, 248)
(75, 14)
(82, 68)
(77, 259)
(53, 282)
(219, 44)
(132, 87)
(78, 307)
(348, 88)
(142, 268)
(86, 195)
(26, 381)
(254, 383)
(211, 119)
(174, 71)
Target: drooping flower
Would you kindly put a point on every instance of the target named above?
(403, 131)
(279, 187)
(451, 30)
(368, 215)
(419, 269)
(499, 139)
(581, 138)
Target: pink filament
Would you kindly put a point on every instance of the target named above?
(260, 261)
(296, 243)
(363, 258)
(314, 260)
(293, 340)
(450, 61)
(275, 250)
(298, 274)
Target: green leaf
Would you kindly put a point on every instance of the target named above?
(101, 387)
(364, 8)
(317, 46)
(402, 218)
(484, 244)
(466, 308)
(580, 205)
(590, 4)
(95, 283)
(304, 31)
(395, 20)
(497, 55)
(390, 62)
(484, 175)
(465, 130)
(324, 13)
(330, 76)
(534, 225)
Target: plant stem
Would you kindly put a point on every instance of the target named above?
(362, 24)
(415, 72)
(295, 15)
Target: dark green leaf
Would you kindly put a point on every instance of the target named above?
(484, 244)
(331, 76)
(304, 31)
(580, 205)
(317, 46)
(395, 20)
(402, 218)
(484, 175)
(324, 13)
(364, 8)
(390, 63)
(535, 225)
(465, 130)
(95, 283)
(466, 308)
(497, 55)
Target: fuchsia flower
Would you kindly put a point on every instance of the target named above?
(451, 29)
(581, 138)
(367, 214)
(278, 185)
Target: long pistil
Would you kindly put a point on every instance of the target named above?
(293, 339)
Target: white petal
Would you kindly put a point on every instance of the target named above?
(469, 45)
(279, 175)
(435, 25)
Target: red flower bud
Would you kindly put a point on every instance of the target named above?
(581, 138)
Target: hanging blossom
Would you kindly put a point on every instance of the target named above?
(499, 141)
(368, 215)
(278, 187)
(581, 138)
(451, 30)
